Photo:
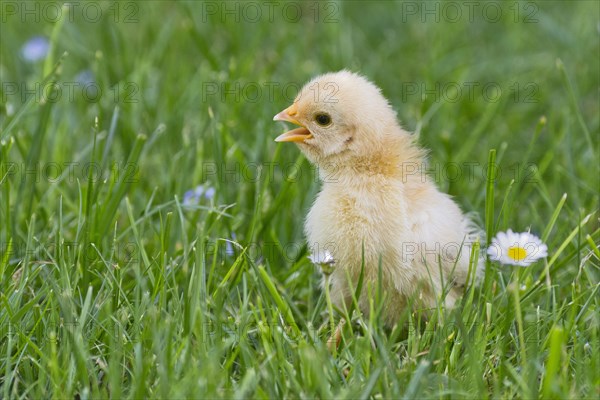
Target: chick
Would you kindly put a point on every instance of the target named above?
(375, 203)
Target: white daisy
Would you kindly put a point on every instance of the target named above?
(323, 259)
(520, 249)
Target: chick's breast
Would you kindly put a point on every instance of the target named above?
(402, 229)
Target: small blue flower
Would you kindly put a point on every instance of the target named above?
(229, 247)
(89, 88)
(210, 193)
(188, 197)
(85, 77)
(193, 196)
(35, 49)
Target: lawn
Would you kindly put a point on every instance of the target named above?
(151, 230)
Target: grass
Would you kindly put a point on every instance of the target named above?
(112, 286)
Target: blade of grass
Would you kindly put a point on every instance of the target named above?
(554, 218)
(561, 67)
(284, 309)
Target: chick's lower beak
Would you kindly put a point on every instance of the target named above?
(295, 135)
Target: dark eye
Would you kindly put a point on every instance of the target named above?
(323, 119)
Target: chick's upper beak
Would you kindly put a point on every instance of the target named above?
(295, 135)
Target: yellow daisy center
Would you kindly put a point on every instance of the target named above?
(517, 253)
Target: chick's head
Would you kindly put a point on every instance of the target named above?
(342, 116)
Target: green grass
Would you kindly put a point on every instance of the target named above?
(111, 286)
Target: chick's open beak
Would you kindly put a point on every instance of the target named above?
(295, 135)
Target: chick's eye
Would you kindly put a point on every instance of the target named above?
(323, 119)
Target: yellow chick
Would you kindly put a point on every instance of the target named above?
(376, 204)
